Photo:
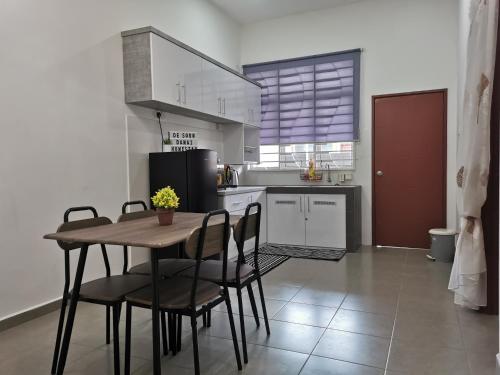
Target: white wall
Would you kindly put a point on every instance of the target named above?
(407, 46)
(64, 121)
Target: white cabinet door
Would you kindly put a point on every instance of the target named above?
(325, 220)
(212, 83)
(285, 219)
(176, 74)
(254, 104)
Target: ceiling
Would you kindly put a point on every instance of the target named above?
(249, 11)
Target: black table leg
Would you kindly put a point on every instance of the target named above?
(155, 313)
(72, 309)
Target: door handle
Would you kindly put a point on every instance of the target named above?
(178, 92)
(184, 89)
(224, 106)
(380, 173)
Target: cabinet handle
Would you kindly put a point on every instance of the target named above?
(308, 204)
(286, 202)
(324, 203)
(219, 105)
(300, 203)
(178, 92)
(224, 106)
(184, 89)
(235, 203)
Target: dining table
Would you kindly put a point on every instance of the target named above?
(139, 233)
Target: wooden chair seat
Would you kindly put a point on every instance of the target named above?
(112, 289)
(166, 267)
(175, 293)
(211, 270)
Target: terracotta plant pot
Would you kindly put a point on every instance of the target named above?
(165, 216)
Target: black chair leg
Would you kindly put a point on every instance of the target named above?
(263, 301)
(60, 327)
(179, 332)
(204, 317)
(128, 338)
(195, 345)
(242, 326)
(108, 328)
(171, 333)
(233, 329)
(164, 333)
(209, 318)
(254, 305)
(116, 338)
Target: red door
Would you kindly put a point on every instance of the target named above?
(409, 167)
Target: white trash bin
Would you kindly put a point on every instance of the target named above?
(442, 244)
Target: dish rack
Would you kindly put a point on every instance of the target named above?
(318, 176)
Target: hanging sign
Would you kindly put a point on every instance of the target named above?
(180, 141)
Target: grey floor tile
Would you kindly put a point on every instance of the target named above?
(272, 305)
(353, 347)
(300, 313)
(216, 358)
(322, 297)
(423, 332)
(327, 366)
(363, 322)
(372, 303)
(426, 360)
(483, 363)
(284, 335)
(280, 291)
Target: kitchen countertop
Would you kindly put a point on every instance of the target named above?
(240, 190)
(290, 189)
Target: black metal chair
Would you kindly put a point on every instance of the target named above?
(191, 296)
(239, 274)
(166, 268)
(109, 291)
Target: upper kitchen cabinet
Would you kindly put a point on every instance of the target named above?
(176, 75)
(164, 74)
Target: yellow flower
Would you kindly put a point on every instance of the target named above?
(165, 198)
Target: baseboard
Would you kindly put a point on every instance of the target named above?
(28, 315)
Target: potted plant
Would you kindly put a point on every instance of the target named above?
(166, 201)
(167, 144)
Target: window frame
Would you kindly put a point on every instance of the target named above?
(258, 168)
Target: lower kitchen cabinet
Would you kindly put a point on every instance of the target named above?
(325, 220)
(307, 219)
(285, 216)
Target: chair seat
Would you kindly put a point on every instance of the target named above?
(175, 293)
(166, 267)
(113, 288)
(211, 270)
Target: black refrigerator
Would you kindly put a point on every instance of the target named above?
(192, 174)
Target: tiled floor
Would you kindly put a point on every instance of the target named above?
(377, 311)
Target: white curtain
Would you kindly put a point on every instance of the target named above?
(468, 275)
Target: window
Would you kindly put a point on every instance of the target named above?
(336, 156)
(310, 109)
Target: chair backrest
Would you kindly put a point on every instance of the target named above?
(248, 227)
(133, 216)
(207, 241)
(68, 225)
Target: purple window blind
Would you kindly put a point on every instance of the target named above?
(312, 99)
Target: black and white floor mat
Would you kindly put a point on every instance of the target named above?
(291, 251)
(267, 262)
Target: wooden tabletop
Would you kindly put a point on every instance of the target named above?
(141, 232)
